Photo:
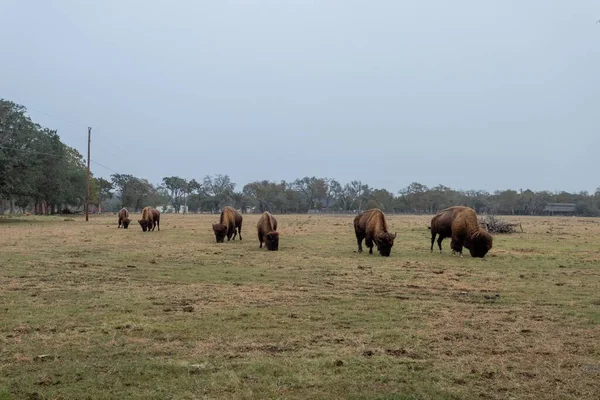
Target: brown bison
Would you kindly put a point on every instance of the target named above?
(267, 231)
(441, 225)
(150, 219)
(124, 218)
(371, 226)
(229, 221)
(460, 223)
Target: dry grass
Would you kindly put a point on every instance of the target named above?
(89, 311)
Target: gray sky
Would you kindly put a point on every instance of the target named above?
(471, 94)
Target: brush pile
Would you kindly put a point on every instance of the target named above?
(496, 225)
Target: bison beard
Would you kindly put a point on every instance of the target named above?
(266, 227)
(372, 227)
(220, 232)
(229, 221)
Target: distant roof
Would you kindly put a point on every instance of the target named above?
(560, 207)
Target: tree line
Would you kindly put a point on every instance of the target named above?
(313, 194)
(42, 175)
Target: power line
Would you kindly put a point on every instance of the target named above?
(78, 124)
(104, 166)
(56, 116)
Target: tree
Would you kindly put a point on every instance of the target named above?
(311, 189)
(415, 197)
(135, 192)
(177, 189)
(267, 196)
(382, 199)
(355, 192)
(332, 190)
(218, 190)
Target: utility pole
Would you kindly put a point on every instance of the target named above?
(87, 192)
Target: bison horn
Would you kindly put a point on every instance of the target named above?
(395, 234)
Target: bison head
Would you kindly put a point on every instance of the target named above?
(272, 241)
(220, 232)
(479, 244)
(125, 223)
(144, 224)
(384, 242)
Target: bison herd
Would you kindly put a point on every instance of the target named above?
(457, 223)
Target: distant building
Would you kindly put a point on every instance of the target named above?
(559, 208)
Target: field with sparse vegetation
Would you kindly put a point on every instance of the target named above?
(89, 311)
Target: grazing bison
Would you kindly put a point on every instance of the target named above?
(229, 221)
(156, 215)
(267, 231)
(441, 225)
(124, 218)
(460, 223)
(150, 219)
(467, 232)
(371, 226)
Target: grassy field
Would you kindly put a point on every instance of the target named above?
(88, 311)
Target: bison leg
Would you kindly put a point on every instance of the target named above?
(457, 246)
(260, 240)
(359, 239)
(158, 224)
(433, 234)
(440, 238)
(369, 244)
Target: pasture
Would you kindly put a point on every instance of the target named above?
(90, 311)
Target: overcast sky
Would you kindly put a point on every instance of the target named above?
(475, 94)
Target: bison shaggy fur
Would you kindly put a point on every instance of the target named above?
(372, 227)
(460, 223)
(229, 222)
(124, 218)
(267, 231)
(150, 219)
(441, 225)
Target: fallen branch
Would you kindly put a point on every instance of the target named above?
(496, 225)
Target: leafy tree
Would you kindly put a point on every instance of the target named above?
(415, 197)
(136, 192)
(356, 192)
(218, 191)
(177, 189)
(311, 190)
(332, 190)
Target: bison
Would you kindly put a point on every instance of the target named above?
(267, 231)
(460, 223)
(229, 221)
(150, 219)
(371, 226)
(441, 225)
(124, 218)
